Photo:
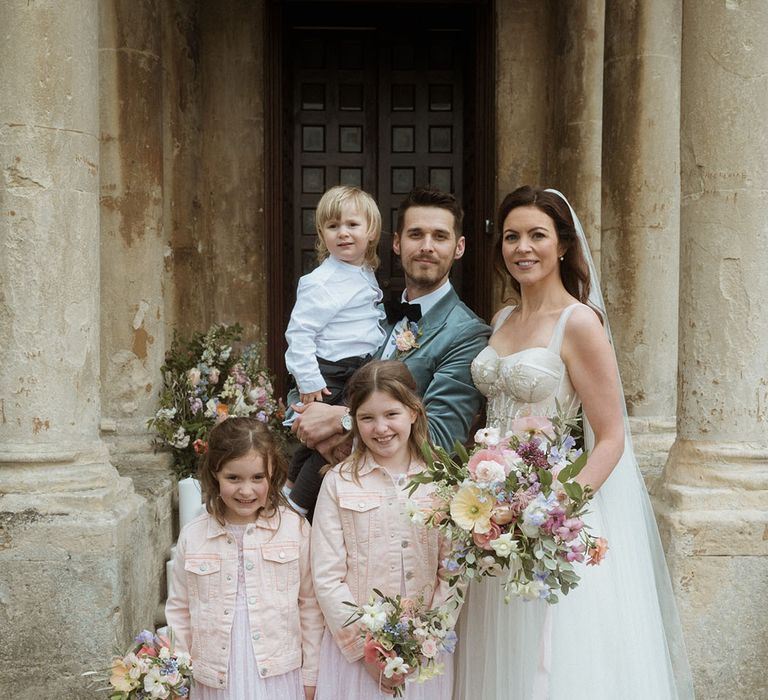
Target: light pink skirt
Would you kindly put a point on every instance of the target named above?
(340, 680)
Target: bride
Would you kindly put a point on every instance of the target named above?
(616, 636)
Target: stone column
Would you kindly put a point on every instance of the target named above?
(522, 71)
(577, 93)
(133, 246)
(66, 514)
(641, 212)
(714, 497)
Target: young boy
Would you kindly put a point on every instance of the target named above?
(335, 324)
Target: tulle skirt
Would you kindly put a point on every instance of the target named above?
(615, 636)
(341, 680)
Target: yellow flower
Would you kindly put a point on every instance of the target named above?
(471, 510)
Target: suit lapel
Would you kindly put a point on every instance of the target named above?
(430, 324)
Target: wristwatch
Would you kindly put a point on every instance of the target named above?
(346, 422)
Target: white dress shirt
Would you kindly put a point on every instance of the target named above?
(335, 316)
(426, 303)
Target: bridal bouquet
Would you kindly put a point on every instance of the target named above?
(150, 669)
(404, 638)
(206, 379)
(512, 505)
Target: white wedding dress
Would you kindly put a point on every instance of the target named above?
(616, 636)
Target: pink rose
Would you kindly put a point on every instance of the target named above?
(405, 341)
(483, 539)
(484, 456)
(429, 648)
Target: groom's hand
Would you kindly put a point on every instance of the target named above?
(317, 422)
(336, 448)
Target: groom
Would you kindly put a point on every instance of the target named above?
(448, 335)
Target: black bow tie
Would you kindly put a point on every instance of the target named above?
(402, 309)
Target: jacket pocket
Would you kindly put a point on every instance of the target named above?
(359, 513)
(282, 560)
(203, 573)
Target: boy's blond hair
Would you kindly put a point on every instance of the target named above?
(329, 209)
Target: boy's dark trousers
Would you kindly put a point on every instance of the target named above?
(304, 470)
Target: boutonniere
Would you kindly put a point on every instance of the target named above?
(407, 339)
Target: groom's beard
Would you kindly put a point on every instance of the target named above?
(424, 274)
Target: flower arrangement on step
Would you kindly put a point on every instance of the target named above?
(512, 505)
(149, 669)
(404, 638)
(206, 379)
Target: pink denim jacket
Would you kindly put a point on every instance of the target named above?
(286, 622)
(362, 538)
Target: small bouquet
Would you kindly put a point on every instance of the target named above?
(206, 379)
(404, 638)
(512, 504)
(150, 669)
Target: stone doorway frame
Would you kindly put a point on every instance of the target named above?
(478, 197)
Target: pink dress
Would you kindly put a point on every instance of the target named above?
(244, 680)
(339, 679)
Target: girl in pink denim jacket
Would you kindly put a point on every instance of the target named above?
(242, 600)
(362, 537)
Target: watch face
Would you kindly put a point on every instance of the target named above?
(346, 422)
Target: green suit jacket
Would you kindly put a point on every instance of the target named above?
(452, 335)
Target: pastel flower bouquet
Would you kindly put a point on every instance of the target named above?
(512, 505)
(150, 669)
(405, 638)
(206, 379)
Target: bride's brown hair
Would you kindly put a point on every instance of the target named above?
(574, 270)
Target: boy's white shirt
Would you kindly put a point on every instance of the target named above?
(336, 315)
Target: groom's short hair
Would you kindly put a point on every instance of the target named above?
(431, 197)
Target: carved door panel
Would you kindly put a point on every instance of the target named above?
(385, 95)
(376, 108)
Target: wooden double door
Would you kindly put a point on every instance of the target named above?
(385, 96)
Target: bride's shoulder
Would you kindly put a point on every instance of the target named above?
(501, 315)
(584, 325)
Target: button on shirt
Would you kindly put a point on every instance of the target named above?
(426, 302)
(335, 316)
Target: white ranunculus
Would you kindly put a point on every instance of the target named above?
(504, 545)
(487, 436)
(180, 439)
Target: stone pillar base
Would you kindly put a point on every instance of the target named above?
(652, 438)
(712, 509)
(78, 571)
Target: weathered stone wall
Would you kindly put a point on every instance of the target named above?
(75, 538)
(641, 198)
(215, 154)
(714, 490)
(133, 279)
(576, 86)
(522, 101)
